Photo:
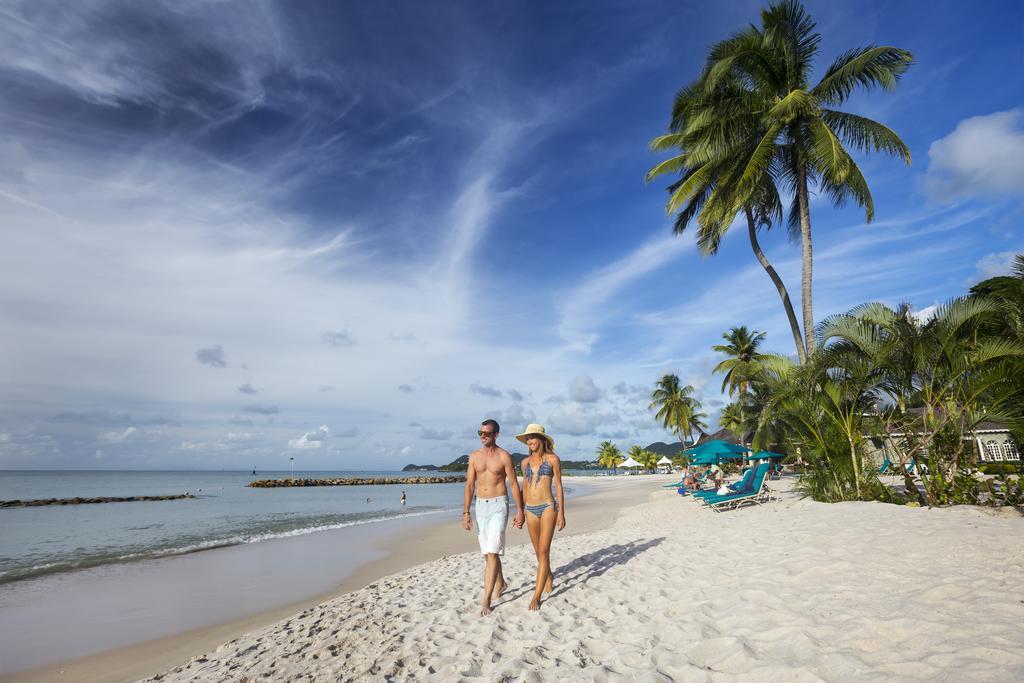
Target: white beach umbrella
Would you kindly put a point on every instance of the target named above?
(665, 461)
(630, 462)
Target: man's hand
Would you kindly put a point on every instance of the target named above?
(467, 521)
(519, 520)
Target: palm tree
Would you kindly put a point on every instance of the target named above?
(714, 152)
(731, 418)
(742, 362)
(650, 460)
(608, 455)
(643, 456)
(803, 137)
(678, 410)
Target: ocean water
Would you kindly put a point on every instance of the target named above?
(36, 541)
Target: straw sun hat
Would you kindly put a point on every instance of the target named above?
(539, 431)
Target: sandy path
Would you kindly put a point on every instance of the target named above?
(792, 590)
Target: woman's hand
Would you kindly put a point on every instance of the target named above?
(560, 522)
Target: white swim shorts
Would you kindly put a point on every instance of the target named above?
(491, 519)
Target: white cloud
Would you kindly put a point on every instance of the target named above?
(310, 440)
(993, 265)
(262, 409)
(117, 437)
(925, 314)
(212, 356)
(335, 338)
(517, 417)
(583, 390)
(485, 391)
(576, 420)
(983, 156)
(435, 434)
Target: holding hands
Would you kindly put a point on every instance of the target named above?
(519, 520)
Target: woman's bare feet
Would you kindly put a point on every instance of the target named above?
(534, 605)
(485, 610)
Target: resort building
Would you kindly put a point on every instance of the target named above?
(993, 442)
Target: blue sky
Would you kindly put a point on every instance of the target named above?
(237, 233)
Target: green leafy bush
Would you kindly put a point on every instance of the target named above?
(1000, 468)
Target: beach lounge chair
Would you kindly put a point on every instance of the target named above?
(742, 485)
(756, 494)
(886, 464)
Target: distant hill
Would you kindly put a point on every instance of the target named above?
(461, 464)
(671, 450)
(420, 468)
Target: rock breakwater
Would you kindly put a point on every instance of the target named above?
(86, 501)
(353, 481)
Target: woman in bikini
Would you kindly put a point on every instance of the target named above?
(544, 513)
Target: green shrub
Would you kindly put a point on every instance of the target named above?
(1001, 468)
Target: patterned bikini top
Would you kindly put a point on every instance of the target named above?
(543, 471)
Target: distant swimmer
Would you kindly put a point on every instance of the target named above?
(367, 501)
(403, 498)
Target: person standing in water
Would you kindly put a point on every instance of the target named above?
(545, 513)
(489, 469)
(403, 498)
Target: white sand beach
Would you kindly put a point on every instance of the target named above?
(790, 590)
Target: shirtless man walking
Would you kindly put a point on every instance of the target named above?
(489, 468)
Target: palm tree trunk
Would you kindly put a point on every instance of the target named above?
(794, 325)
(806, 256)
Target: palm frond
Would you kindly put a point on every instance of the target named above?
(673, 165)
(866, 134)
(663, 143)
(864, 67)
(689, 188)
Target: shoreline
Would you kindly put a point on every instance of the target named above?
(593, 509)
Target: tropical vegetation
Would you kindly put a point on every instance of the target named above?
(913, 386)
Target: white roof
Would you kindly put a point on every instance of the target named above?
(630, 462)
(664, 460)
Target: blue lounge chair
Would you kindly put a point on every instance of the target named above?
(736, 487)
(756, 494)
(885, 465)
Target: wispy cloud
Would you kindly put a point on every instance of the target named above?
(590, 302)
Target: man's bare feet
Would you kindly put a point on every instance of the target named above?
(534, 605)
(499, 588)
(485, 610)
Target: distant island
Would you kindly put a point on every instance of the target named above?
(420, 468)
